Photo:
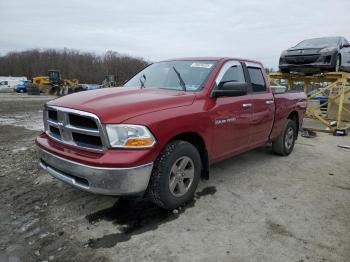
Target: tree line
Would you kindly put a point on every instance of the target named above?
(86, 67)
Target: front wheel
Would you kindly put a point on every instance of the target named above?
(284, 143)
(175, 175)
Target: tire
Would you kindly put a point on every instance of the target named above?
(284, 143)
(33, 89)
(337, 64)
(165, 188)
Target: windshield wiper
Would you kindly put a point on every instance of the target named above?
(143, 82)
(182, 82)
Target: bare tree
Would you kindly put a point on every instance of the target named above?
(87, 67)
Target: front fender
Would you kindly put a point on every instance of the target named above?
(169, 123)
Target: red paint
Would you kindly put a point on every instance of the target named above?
(168, 113)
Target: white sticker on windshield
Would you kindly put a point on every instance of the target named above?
(202, 65)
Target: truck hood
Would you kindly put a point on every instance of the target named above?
(115, 105)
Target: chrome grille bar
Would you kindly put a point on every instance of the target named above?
(78, 136)
(84, 131)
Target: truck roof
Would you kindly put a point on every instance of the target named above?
(222, 59)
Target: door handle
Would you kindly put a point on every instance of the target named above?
(247, 105)
(269, 102)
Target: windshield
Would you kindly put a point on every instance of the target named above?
(318, 42)
(179, 75)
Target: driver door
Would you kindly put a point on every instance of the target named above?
(231, 115)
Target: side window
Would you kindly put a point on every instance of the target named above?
(234, 74)
(231, 72)
(257, 79)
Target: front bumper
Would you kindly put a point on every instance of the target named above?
(101, 180)
(314, 67)
(325, 62)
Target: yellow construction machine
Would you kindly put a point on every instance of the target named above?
(41, 82)
(110, 81)
(54, 84)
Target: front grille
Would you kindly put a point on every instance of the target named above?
(74, 127)
(301, 59)
(52, 114)
(81, 121)
(86, 140)
(55, 131)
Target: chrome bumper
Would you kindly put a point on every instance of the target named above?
(107, 181)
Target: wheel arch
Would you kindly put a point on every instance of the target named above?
(340, 57)
(294, 115)
(338, 54)
(196, 140)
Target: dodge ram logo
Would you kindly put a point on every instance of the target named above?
(60, 126)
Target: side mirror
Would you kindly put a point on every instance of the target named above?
(345, 45)
(230, 89)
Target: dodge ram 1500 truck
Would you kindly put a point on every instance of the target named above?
(158, 134)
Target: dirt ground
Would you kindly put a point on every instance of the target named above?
(255, 207)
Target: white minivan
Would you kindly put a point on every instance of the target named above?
(9, 83)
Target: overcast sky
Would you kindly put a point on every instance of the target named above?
(156, 30)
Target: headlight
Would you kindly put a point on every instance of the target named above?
(129, 136)
(328, 50)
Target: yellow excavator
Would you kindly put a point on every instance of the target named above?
(41, 82)
(54, 84)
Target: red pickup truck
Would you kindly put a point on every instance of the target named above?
(158, 134)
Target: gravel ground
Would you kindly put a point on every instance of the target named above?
(255, 207)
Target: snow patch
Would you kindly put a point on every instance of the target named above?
(32, 121)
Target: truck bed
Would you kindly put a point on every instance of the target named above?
(285, 103)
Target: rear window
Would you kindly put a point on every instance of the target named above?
(257, 79)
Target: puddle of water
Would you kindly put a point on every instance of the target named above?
(136, 217)
(32, 121)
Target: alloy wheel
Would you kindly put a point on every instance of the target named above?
(181, 176)
(289, 139)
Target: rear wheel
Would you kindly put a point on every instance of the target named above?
(175, 175)
(284, 143)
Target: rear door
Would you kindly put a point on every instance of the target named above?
(231, 115)
(262, 105)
